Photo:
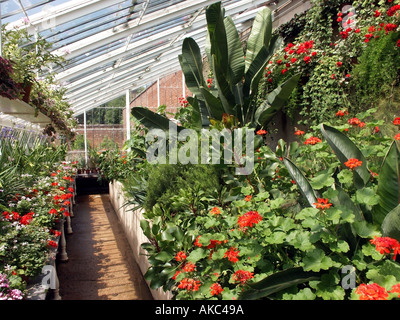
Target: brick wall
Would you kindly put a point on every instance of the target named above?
(97, 133)
(171, 89)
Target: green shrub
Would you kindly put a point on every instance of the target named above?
(377, 72)
(166, 180)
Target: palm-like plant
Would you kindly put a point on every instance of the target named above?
(237, 74)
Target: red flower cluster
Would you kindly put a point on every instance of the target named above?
(341, 113)
(396, 121)
(299, 133)
(183, 102)
(216, 289)
(215, 211)
(322, 204)
(52, 243)
(312, 140)
(371, 291)
(355, 122)
(353, 163)
(261, 132)
(249, 219)
(232, 255)
(393, 10)
(291, 49)
(15, 216)
(180, 256)
(189, 267)
(189, 284)
(397, 136)
(386, 244)
(242, 276)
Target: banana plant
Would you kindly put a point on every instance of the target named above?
(237, 74)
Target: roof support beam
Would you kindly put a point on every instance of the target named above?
(148, 21)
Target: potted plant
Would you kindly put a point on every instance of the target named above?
(30, 56)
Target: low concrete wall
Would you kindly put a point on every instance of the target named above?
(130, 221)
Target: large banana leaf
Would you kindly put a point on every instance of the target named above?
(152, 120)
(217, 36)
(260, 35)
(278, 281)
(345, 149)
(391, 224)
(303, 184)
(388, 183)
(275, 100)
(192, 65)
(235, 52)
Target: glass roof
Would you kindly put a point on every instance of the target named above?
(111, 45)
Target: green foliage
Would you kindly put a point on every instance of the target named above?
(166, 182)
(377, 72)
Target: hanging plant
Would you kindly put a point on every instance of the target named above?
(8, 87)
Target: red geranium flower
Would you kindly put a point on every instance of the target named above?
(353, 163)
(249, 219)
(232, 254)
(180, 256)
(397, 136)
(395, 289)
(312, 140)
(371, 291)
(216, 289)
(261, 132)
(53, 211)
(189, 284)
(322, 204)
(299, 133)
(242, 276)
(396, 121)
(354, 121)
(386, 244)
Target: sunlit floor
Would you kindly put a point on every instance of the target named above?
(101, 265)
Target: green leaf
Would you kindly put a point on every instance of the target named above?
(197, 254)
(345, 149)
(301, 181)
(275, 101)
(144, 224)
(391, 224)
(260, 35)
(367, 196)
(316, 260)
(365, 229)
(328, 288)
(217, 36)
(235, 52)
(152, 120)
(214, 105)
(388, 183)
(196, 116)
(192, 65)
(277, 282)
(322, 180)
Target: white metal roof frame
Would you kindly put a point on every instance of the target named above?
(135, 53)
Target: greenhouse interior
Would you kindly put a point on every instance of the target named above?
(200, 150)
